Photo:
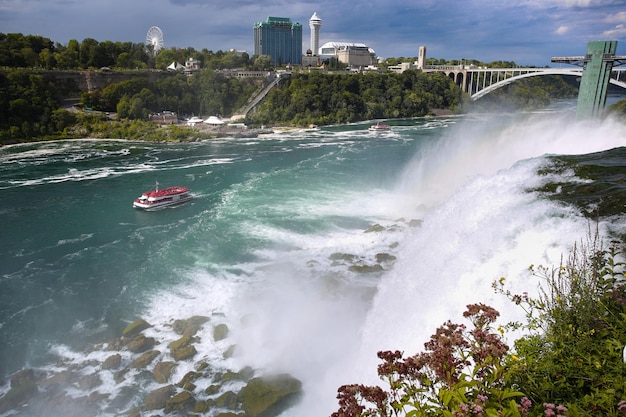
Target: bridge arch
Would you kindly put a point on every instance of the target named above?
(555, 71)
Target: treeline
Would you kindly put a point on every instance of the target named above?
(34, 51)
(322, 99)
(452, 62)
(529, 93)
(29, 107)
(30, 104)
(206, 92)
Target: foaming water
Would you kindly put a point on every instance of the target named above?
(316, 248)
(479, 223)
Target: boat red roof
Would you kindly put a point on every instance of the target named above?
(166, 191)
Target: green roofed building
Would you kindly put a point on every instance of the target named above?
(280, 39)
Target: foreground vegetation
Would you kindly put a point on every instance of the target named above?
(569, 363)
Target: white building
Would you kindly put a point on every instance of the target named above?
(315, 23)
(352, 54)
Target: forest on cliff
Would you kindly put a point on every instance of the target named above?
(33, 106)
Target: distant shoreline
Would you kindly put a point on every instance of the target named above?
(242, 133)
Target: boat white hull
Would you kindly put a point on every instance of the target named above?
(379, 127)
(156, 205)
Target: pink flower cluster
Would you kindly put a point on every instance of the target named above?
(551, 410)
(474, 409)
(524, 406)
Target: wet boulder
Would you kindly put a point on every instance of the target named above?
(141, 343)
(112, 362)
(384, 257)
(187, 382)
(220, 332)
(182, 342)
(228, 400)
(89, 382)
(145, 359)
(266, 395)
(20, 377)
(190, 326)
(157, 399)
(181, 402)
(163, 371)
(376, 228)
(135, 328)
(183, 353)
(366, 269)
(18, 395)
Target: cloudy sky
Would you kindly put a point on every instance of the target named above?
(528, 32)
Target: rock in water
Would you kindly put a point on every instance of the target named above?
(269, 393)
(135, 328)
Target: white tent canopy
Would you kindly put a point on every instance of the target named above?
(213, 120)
(175, 66)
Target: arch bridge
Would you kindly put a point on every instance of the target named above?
(478, 81)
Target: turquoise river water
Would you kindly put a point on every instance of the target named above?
(277, 231)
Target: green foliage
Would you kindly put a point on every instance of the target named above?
(98, 126)
(28, 51)
(461, 373)
(27, 106)
(618, 109)
(207, 92)
(577, 331)
(528, 94)
(570, 361)
(323, 99)
(29, 103)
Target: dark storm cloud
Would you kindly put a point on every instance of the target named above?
(528, 32)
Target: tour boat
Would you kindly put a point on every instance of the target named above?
(379, 127)
(154, 199)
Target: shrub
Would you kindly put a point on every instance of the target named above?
(461, 373)
(573, 352)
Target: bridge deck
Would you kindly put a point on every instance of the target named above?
(480, 81)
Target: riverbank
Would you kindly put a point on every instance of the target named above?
(101, 126)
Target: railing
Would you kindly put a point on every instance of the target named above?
(479, 81)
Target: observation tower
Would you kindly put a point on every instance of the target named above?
(314, 24)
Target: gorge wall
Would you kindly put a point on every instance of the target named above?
(72, 83)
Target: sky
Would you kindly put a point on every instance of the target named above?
(528, 32)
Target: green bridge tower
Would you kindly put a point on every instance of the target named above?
(597, 65)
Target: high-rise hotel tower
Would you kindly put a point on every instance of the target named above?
(279, 38)
(314, 24)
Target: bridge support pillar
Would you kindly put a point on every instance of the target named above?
(595, 79)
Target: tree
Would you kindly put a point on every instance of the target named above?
(124, 60)
(62, 119)
(47, 59)
(261, 62)
(87, 53)
(68, 58)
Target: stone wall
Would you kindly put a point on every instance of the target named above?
(91, 80)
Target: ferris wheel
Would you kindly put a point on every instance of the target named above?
(154, 39)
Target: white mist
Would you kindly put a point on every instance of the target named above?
(479, 224)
